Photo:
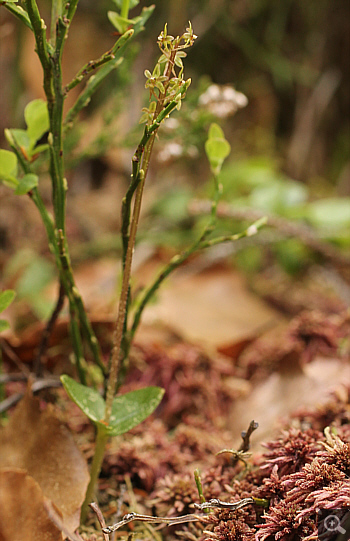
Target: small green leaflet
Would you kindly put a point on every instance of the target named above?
(8, 168)
(37, 119)
(27, 183)
(128, 410)
(216, 148)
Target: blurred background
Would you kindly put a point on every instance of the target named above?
(290, 145)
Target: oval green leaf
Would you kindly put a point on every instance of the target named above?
(88, 400)
(27, 183)
(8, 167)
(21, 138)
(215, 131)
(6, 297)
(216, 148)
(37, 119)
(132, 408)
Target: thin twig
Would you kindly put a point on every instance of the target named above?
(93, 83)
(100, 518)
(290, 229)
(92, 65)
(215, 503)
(7, 378)
(170, 521)
(242, 453)
(245, 445)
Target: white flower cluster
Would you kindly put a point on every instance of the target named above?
(173, 150)
(222, 101)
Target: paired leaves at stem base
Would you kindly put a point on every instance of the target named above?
(128, 410)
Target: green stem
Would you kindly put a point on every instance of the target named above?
(57, 247)
(101, 442)
(121, 344)
(94, 64)
(72, 7)
(94, 82)
(143, 152)
(76, 302)
(122, 309)
(51, 61)
(125, 9)
(18, 12)
(39, 29)
(56, 12)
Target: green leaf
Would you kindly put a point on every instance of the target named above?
(8, 167)
(6, 297)
(331, 213)
(120, 23)
(215, 132)
(216, 148)
(40, 148)
(128, 410)
(21, 138)
(37, 118)
(27, 183)
(132, 408)
(4, 325)
(88, 400)
(26, 143)
(19, 12)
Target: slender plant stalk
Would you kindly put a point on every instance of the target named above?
(92, 65)
(38, 367)
(101, 442)
(18, 12)
(125, 9)
(50, 58)
(94, 82)
(56, 12)
(129, 244)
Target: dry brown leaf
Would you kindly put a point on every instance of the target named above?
(39, 443)
(284, 391)
(210, 308)
(22, 512)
